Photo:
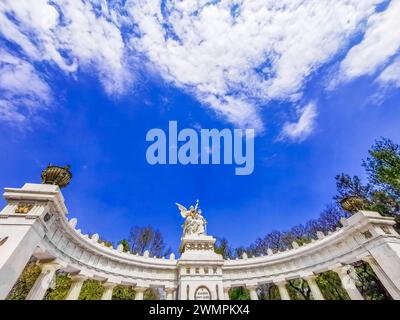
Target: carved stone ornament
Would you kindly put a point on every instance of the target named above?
(23, 208)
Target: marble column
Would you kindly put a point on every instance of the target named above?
(226, 293)
(139, 293)
(282, 290)
(253, 292)
(108, 290)
(43, 281)
(76, 286)
(316, 292)
(383, 278)
(346, 275)
(170, 293)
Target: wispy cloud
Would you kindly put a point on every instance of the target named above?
(234, 56)
(22, 90)
(391, 74)
(303, 127)
(381, 42)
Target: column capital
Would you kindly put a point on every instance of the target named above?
(78, 277)
(309, 277)
(280, 282)
(251, 286)
(342, 269)
(49, 266)
(369, 259)
(140, 288)
(108, 284)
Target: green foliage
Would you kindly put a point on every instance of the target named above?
(383, 165)
(348, 186)
(25, 282)
(299, 290)
(63, 283)
(331, 286)
(106, 243)
(151, 294)
(123, 293)
(239, 293)
(91, 290)
(368, 284)
(268, 292)
(125, 245)
(222, 247)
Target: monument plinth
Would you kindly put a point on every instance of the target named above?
(200, 268)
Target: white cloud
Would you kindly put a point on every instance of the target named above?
(391, 75)
(237, 63)
(300, 130)
(22, 90)
(70, 34)
(381, 41)
(234, 56)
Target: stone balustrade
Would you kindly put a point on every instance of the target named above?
(45, 232)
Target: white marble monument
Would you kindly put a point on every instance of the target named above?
(34, 223)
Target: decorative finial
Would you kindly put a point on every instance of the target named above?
(56, 175)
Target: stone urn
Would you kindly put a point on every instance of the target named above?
(60, 176)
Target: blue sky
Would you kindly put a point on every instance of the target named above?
(81, 83)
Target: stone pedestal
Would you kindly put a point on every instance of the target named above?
(200, 269)
(23, 224)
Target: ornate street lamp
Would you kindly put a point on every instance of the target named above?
(56, 175)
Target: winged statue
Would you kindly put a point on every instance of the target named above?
(194, 221)
(184, 212)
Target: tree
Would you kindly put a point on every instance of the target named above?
(125, 245)
(383, 165)
(299, 290)
(331, 286)
(268, 291)
(106, 243)
(63, 283)
(222, 247)
(25, 282)
(147, 238)
(91, 290)
(348, 186)
(123, 293)
(368, 284)
(239, 293)
(151, 294)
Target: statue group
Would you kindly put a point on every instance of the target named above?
(194, 220)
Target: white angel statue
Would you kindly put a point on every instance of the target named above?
(194, 221)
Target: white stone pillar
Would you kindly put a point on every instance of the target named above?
(139, 293)
(76, 286)
(226, 293)
(282, 290)
(43, 281)
(170, 293)
(108, 290)
(346, 275)
(316, 292)
(383, 278)
(253, 292)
